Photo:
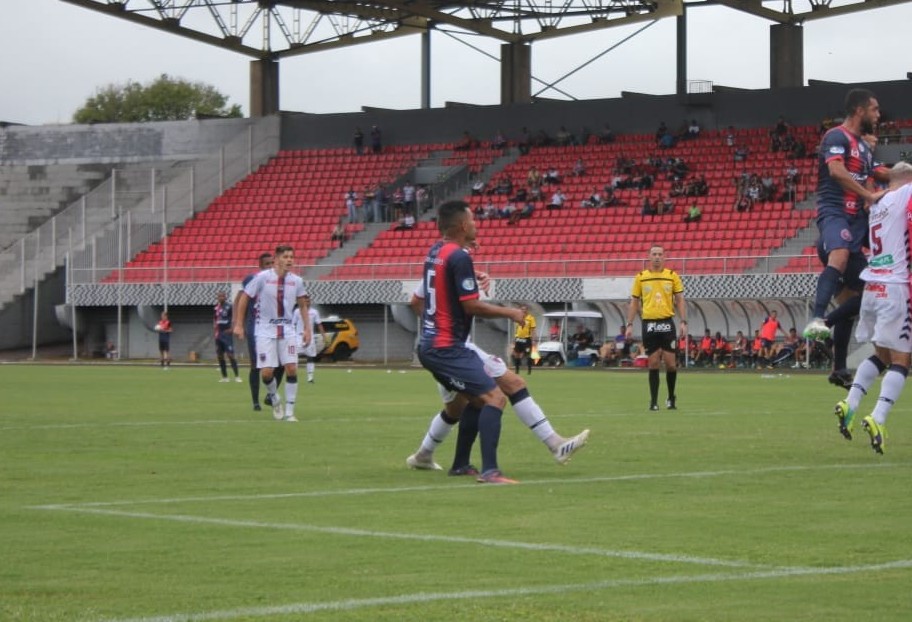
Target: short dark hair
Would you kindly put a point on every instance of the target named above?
(284, 248)
(857, 98)
(449, 214)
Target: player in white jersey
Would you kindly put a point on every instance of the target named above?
(276, 291)
(458, 410)
(886, 317)
(311, 349)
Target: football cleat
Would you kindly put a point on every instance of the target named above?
(224, 380)
(846, 418)
(653, 406)
(422, 463)
(257, 407)
(877, 432)
(290, 418)
(670, 403)
(841, 378)
(494, 477)
(565, 450)
(278, 413)
(816, 329)
(238, 379)
(463, 470)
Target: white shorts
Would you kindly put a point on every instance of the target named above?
(273, 352)
(885, 316)
(493, 365)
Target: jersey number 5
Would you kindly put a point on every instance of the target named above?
(876, 243)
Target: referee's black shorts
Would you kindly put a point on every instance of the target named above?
(659, 335)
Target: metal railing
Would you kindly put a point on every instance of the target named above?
(132, 209)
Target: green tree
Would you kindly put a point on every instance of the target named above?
(163, 99)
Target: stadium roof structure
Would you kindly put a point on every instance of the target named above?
(270, 30)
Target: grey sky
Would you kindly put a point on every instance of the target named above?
(56, 55)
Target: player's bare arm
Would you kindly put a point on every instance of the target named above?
(632, 309)
(240, 311)
(484, 309)
(845, 180)
(303, 308)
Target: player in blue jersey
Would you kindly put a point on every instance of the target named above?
(264, 261)
(224, 342)
(846, 162)
(451, 302)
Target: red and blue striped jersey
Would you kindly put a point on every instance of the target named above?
(841, 144)
(449, 279)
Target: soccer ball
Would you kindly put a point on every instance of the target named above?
(159, 328)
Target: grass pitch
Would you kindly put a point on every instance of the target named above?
(128, 494)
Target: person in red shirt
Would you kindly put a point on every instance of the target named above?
(768, 337)
(705, 353)
(756, 349)
(721, 350)
(163, 328)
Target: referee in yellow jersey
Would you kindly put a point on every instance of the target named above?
(522, 340)
(658, 291)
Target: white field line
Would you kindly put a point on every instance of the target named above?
(389, 535)
(409, 599)
(305, 419)
(452, 486)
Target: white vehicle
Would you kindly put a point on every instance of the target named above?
(555, 338)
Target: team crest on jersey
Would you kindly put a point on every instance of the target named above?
(854, 153)
(457, 384)
(846, 235)
(262, 356)
(468, 283)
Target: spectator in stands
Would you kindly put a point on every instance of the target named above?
(506, 212)
(524, 143)
(744, 203)
(380, 207)
(730, 137)
(351, 205)
(606, 136)
(664, 206)
(500, 141)
(466, 143)
(648, 208)
(338, 233)
(534, 178)
(422, 199)
(489, 211)
(409, 201)
(677, 188)
(407, 223)
(661, 132)
(694, 213)
(610, 199)
(563, 138)
(478, 187)
(579, 169)
(376, 140)
(593, 200)
(741, 154)
(398, 204)
(552, 176)
(504, 186)
(367, 205)
(110, 350)
(557, 200)
(359, 141)
(693, 131)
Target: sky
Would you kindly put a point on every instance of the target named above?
(56, 56)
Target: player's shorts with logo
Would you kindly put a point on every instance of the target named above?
(522, 345)
(885, 316)
(659, 334)
(458, 369)
(840, 230)
(272, 352)
(224, 343)
(494, 366)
